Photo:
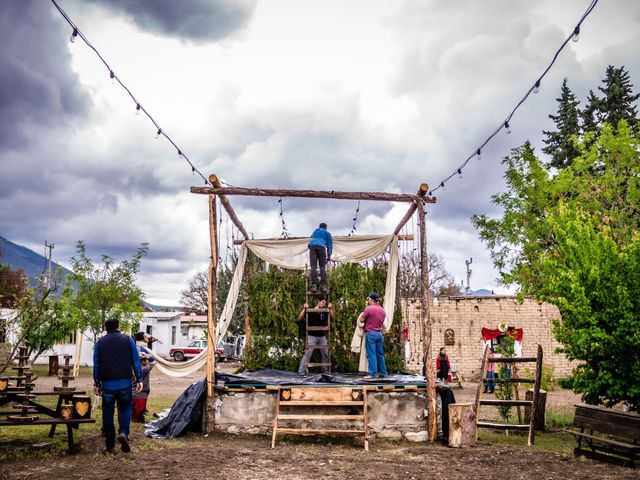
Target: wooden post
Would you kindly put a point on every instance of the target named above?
(462, 425)
(281, 192)
(536, 397)
(432, 421)
(422, 191)
(209, 417)
(539, 420)
(227, 206)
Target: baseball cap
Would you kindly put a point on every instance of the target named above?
(375, 297)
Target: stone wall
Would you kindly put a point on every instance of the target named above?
(466, 316)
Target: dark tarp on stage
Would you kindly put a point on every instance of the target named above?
(186, 412)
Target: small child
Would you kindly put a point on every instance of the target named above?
(140, 398)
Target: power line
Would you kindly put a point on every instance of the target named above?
(76, 33)
(534, 88)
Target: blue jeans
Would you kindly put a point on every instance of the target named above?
(109, 398)
(374, 342)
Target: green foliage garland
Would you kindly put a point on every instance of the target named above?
(276, 298)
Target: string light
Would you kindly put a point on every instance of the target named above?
(478, 154)
(76, 32)
(534, 88)
(285, 231)
(355, 220)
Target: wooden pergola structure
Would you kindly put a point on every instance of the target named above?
(417, 202)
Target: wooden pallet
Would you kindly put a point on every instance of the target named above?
(293, 405)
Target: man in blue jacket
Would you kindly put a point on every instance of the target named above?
(115, 361)
(320, 247)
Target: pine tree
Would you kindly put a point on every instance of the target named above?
(559, 143)
(618, 101)
(590, 113)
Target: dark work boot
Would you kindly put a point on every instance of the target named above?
(491, 390)
(485, 390)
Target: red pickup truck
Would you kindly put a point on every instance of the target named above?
(193, 349)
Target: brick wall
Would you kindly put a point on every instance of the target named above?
(467, 315)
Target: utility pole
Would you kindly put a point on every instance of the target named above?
(467, 290)
(47, 256)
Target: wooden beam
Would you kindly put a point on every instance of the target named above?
(227, 206)
(262, 192)
(422, 191)
(209, 416)
(432, 421)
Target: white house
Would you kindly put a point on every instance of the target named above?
(193, 327)
(165, 326)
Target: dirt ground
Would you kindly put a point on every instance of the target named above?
(228, 456)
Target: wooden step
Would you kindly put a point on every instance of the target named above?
(511, 403)
(503, 426)
(316, 329)
(512, 359)
(318, 431)
(318, 364)
(318, 417)
(320, 403)
(509, 380)
(317, 310)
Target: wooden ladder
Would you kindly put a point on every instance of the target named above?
(302, 404)
(533, 404)
(311, 297)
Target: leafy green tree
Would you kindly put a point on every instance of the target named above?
(13, 286)
(40, 319)
(594, 282)
(589, 115)
(105, 290)
(537, 245)
(276, 297)
(560, 143)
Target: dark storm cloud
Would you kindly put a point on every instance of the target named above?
(37, 87)
(197, 20)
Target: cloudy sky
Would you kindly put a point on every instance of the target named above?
(364, 95)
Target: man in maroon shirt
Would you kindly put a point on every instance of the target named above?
(373, 317)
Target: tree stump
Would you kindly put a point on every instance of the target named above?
(538, 423)
(462, 425)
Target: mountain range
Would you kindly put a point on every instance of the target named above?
(31, 263)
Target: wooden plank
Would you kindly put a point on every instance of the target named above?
(302, 416)
(318, 431)
(513, 359)
(623, 462)
(536, 398)
(48, 421)
(282, 192)
(365, 412)
(510, 380)
(323, 394)
(483, 366)
(275, 420)
(605, 424)
(512, 403)
(315, 403)
(503, 426)
(227, 206)
(610, 441)
(422, 191)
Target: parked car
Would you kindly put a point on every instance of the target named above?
(193, 349)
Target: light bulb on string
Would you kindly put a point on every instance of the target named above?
(112, 76)
(74, 35)
(441, 184)
(158, 133)
(193, 169)
(507, 126)
(536, 87)
(478, 154)
(576, 34)
(138, 107)
(459, 173)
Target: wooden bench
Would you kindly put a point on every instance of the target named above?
(605, 434)
(71, 424)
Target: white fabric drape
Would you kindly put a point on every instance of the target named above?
(294, 254)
